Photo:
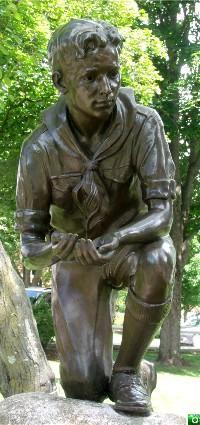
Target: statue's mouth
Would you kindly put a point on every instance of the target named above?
(104, 103)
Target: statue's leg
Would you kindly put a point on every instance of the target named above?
(82, 320)
(147, 304)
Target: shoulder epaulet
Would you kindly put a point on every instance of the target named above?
(35, 135)
(145, 110)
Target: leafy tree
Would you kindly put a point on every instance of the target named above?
(22, 95)
(25, 81)
(191, 278)
(177, 23)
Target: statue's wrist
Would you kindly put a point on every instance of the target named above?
(126, 236)
(117, 235)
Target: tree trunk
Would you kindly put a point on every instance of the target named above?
(169, 351)
(37, 278)
(23, 364)
(26, 277)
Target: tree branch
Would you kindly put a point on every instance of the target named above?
(187, 188)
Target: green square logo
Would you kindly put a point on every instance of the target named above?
(194, 419)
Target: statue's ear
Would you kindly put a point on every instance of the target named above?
(58, 82)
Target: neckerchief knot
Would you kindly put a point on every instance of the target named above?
(91, 165)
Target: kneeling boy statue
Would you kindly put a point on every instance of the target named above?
(94, 201)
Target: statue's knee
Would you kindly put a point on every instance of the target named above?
(155, 271)
(158, 260)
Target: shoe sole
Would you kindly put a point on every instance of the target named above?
(138, 410)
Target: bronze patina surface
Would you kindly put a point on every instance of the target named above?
(94, 200)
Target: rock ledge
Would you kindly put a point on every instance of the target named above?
(49, 409)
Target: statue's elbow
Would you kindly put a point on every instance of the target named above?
(28, 257)
(165, 225)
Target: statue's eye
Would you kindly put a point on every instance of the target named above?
(90, 77)
(113, 74)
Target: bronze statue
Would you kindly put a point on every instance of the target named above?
(94, 200)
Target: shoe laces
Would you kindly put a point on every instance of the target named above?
(133, 382)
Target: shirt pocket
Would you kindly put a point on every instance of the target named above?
(62, 187)
(119, 174)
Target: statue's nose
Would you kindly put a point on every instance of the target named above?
(105, 88)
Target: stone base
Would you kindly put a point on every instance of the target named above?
(49, 409)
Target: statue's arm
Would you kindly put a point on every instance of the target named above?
(154, 166)
(152, 225)
(33, 199)
(149, 227)
(38, 253)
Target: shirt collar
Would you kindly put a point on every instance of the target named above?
(120, 126)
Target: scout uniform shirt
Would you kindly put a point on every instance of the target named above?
(61, 186)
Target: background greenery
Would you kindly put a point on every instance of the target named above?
(43, 317)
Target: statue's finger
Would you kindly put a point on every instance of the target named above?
(95, 257)
(85, 255)
(68, 246)
(106, 248)
(78, 253)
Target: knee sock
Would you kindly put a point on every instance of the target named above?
(141, 321)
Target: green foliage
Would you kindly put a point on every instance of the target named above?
(43, 317)
(138, 70)
(120, 302)
(189, 124)
(8, 236)
(191, 278)
(46, 276)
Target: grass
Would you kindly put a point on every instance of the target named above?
(176, 394)
(178, 388)
(191, 365)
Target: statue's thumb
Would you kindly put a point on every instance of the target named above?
(105, 248)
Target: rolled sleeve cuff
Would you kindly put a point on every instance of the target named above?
(32, 221)
(159, 189)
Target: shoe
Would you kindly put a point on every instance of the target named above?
(131, 391)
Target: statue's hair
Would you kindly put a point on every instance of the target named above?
(80, 37)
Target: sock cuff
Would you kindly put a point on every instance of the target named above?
(145, 312)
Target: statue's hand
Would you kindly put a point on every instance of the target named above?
(107, 244)
(62, 244)
(86, 253)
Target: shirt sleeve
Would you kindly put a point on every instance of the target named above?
(153, 162)
(33, 192)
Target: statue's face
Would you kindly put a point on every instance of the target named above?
(93, 83)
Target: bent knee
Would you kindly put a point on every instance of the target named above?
(158, 259)
(154, 277)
